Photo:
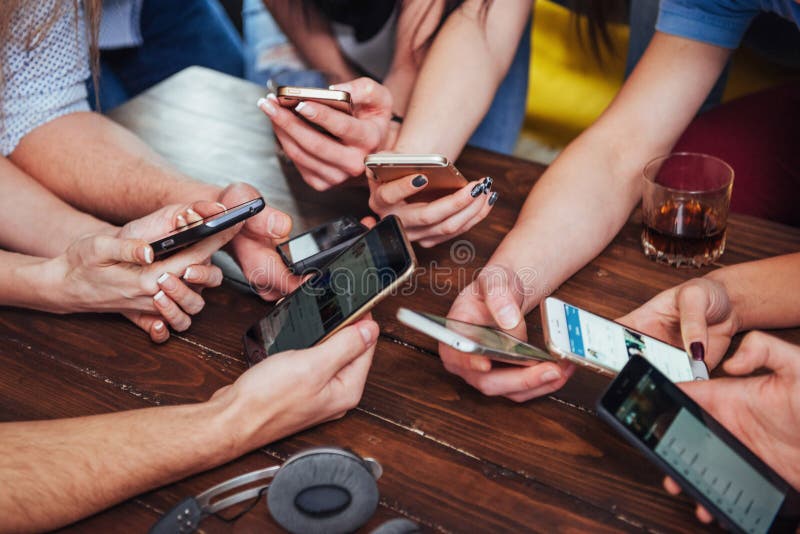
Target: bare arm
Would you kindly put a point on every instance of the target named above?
(35, 221)
(56, 472)
(586, 196)
(101, 168)
(764, 293)
(460, 74)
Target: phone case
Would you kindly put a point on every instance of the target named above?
(441, 173)
(289, 96)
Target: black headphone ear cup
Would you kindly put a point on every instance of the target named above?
(400, 525)
(323, 493)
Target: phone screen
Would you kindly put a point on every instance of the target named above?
(490, 338)
(340, 289)
(658, 415)
(321, 238)
(608, 344)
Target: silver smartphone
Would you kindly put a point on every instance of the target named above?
(441, 173)
(472, 338)
(606, 346)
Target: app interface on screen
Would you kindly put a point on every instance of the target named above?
(343, 287)
(303, 247)
(611, 345)
(682, 440)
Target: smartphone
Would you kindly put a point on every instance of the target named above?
(441, 173)
(196, 231)
(473, 338)
(605, 346)
(290, 96)
(693, 448)
(369, 270)
(313, 249)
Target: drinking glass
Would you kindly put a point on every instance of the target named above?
(685, 203)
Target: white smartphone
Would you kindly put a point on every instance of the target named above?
(601, 344)
(472, 338)
(441, 173)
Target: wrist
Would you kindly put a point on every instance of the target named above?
(43, 283)
(528, 277)
(736, 299)
(244, 428)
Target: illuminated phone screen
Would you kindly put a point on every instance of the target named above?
(609, 344)
(657, 417)
(323, 237)
(342, 288)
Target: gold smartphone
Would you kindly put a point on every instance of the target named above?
(365, 273)
(289, 96)
(440, 171)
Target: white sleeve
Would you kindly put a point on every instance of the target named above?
(46, 81)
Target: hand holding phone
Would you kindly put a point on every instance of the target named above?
(474, 339)
(361, 276)
(605, 346)
(208, 226)
(697, 452)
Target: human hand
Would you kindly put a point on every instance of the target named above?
(253, 247)
(696, 315)
(763, 411)
(296, 389)
(327, 160)
(496, 298)
(431, 223)
(116, 273)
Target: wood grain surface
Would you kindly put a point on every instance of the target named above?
(454, 460)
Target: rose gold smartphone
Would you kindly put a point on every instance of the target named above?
(289, 96)
(365, 273)
(441, 173)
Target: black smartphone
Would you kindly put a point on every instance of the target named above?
(313, 249)
(372, 268)
(196, 231)
(707, 461)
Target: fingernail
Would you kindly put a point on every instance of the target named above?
(181, 220)
(167, 282)
(193, 213)
(508, 317)
(305, 110)
(266, 104)
(188, 274)
(487, 184)
(159, 326)
(550, 376)
(698, 351)
(480, 364)
(419, 181)
(161, 298)
(278, 224)
(366, 334)
(493, 198)
(148, 254)
(477, 190)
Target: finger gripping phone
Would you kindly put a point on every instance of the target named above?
(199, 230)
(475, 339)
(290, 96)
(707, 461)
(441, 173)
(605, 346)
(369, 270)
(313, 249)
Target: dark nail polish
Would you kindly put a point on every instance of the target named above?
(493, 198)
(487, 184)
(698, 351)
(419, 181)
(477, 190)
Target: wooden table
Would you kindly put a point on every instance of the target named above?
(454, 460)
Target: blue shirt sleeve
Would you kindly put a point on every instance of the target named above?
(717, 22)
(49, 79)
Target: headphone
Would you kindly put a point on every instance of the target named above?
(320, 490)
